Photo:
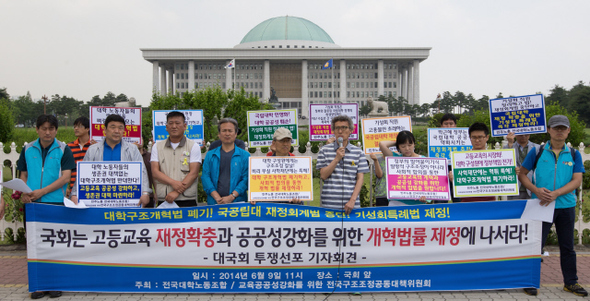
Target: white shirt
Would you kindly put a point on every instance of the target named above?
(195, 156)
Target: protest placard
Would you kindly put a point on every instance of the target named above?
(194, 124)
(413, 177)
(263, 124)
(484, 173)
(383, 128)
(320, 119)
(109, 184)
(132, 118)
(520, 115)
(280, 179)
(443, 141)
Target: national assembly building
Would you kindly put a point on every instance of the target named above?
(282, 58)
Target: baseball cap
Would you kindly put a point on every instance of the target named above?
(557, 120)
(282, 133)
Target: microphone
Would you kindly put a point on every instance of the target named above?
(340, 142)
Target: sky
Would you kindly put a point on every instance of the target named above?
(86, 48)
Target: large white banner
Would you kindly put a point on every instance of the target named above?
(244, 248)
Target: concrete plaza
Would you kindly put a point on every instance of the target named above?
(14, 286)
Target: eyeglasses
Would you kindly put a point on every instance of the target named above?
(559, 128)
(478, 137)
(341, 128)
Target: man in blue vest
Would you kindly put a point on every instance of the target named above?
(561, 172)
(46, 166)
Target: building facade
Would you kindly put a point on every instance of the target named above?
(284, 56)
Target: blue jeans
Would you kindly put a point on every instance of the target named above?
(564, 220)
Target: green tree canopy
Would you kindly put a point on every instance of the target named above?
(6, 120)
(214, 102)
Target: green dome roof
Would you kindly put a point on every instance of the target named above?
(287, 28)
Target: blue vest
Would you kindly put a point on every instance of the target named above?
(555, 172)
(42, 174)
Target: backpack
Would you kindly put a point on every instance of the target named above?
(573, 152)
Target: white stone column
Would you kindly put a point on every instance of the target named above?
(304, 90)
(156, 76)
(399, 80)
(404, 85)
(191, 75)
(380, 80)
(266, 83)
(406, 82)
(416, 82)
(342, 81)
(410, 83)
(171, 87)
(228, 74)
(163, 80)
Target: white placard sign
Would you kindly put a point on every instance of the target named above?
(109, 184)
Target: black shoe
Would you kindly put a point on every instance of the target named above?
(54, 294)
(531, 291)
(576, 289)
(37, 295)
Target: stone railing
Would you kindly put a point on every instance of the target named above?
(13, 156)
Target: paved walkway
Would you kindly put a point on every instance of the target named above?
(14, 286)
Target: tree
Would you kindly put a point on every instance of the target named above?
(4, 94)
(215, 104)
(579, 101)
(577, 126)
(364, 110)
(460, 100)
(482, 104)
(397, 106)
(557, 95)
(109, 99)
(6, 121)
(25, 110)
(121, 98)
(425, 109)
(447, 102)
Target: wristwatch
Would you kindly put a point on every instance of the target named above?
(235, 196)
(145, 193)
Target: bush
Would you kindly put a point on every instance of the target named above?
(6, 121)
(434, 121)
(577, 126)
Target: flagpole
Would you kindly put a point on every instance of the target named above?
(234, 75)
(332, 80)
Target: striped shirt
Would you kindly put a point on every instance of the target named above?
(78, 156)
(338, 187)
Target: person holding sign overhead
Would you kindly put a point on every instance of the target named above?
(225, 169)
(342, 167)
(114, 148)
(175, 164)
(405, 143)
(522, 147)
(479, 134)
